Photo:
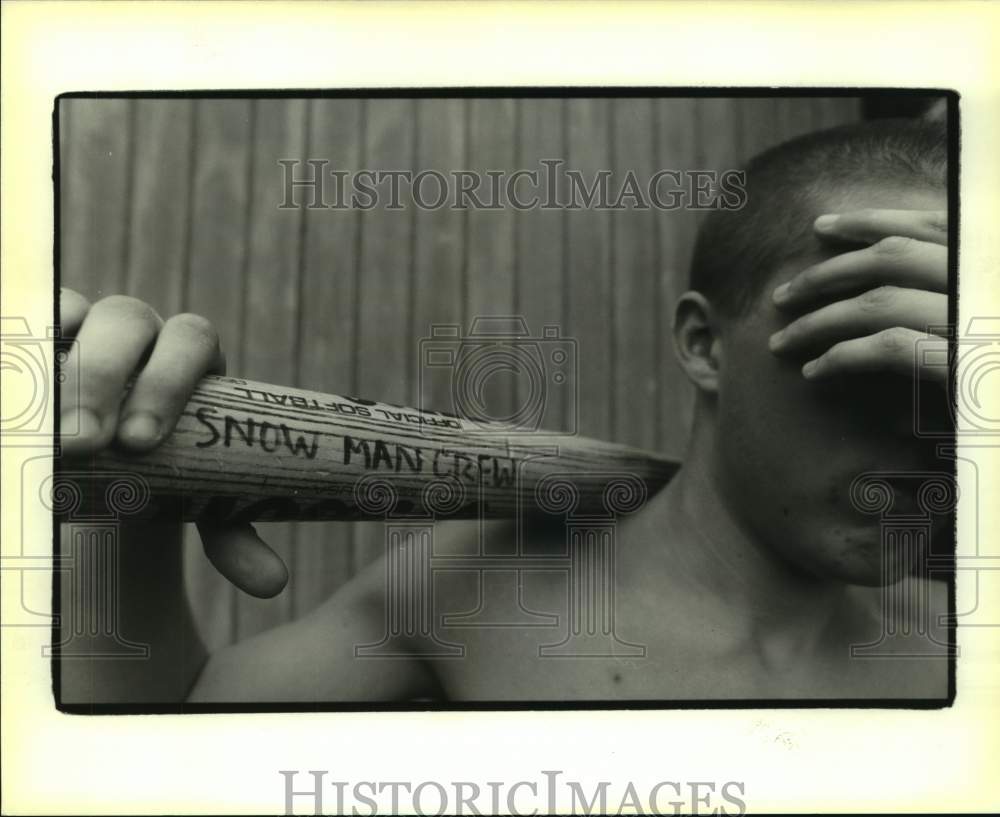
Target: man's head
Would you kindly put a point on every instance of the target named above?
(782, 450)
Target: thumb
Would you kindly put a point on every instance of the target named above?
(239, 554)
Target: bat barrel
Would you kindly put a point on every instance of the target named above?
(251, 451)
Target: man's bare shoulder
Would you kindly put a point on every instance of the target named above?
(460, 553)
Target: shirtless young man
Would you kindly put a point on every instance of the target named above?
(748, 576)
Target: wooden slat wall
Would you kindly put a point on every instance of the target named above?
(589, 315)
(176, 202)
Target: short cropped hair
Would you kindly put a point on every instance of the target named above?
(737, 251)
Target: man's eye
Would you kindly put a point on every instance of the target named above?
(881, 403)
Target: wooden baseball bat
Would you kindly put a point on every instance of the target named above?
(250, 451)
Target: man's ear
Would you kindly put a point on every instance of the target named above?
(696, 340)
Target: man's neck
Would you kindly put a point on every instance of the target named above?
(695, 546)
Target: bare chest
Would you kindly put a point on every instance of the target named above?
(536, 642)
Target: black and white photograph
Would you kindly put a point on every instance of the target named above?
(505, 398)
(508, 408)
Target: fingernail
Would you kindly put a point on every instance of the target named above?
(811, 368)
(79, 422)
(826, 222)
(780, 295)
(140, 427)
(776, 340)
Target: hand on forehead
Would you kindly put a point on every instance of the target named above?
(869, 306)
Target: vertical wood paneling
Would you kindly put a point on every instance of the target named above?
(95, 193)
(219, 218)
(756, 119)
(160, 217)
(273, 283)
(635, 261)
(540, 282)
(716, 125)
(439, 240)
(675, 148)
(176, 201)
(589, 272)
(829, 113)
(490, 251)
(793, 117)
